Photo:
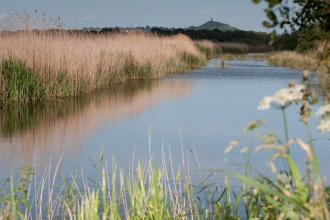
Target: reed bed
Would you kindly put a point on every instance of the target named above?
(294, 60)
(41, 65)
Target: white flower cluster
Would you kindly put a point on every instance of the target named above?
(324, 122)
(283, 96)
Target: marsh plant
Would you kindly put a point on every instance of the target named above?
(218, 63)
(223, 63)
(289, 193)
(48, 63)
(146, 191)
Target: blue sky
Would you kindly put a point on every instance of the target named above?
(242, 14)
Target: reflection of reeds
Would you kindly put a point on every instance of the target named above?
(64, 63)
(60, 126)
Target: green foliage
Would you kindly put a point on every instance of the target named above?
(145, 71)
(192, 60)
(70, 194)
(205, 50)
(14, 203)
(148, 200)
(311, 37)
(238, 36)
(20, 85)
(233, 50)
(130, 67)
(286, 41)
(305, 13)
(293, 196)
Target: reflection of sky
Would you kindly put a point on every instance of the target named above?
(221, 104)
(210, 113)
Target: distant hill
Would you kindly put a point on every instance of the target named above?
(210, 25)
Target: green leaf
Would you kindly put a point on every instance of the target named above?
(302, 189)
(266, 190)
(266, 24)
(271, 15)
(273, 3)
(283, 208)
(256, 1)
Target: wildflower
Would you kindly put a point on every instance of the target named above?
(284, 96)
(243, 150)
(266, 147)
(323, 109)
(255, 192)
(254, 124)
(272, 167)
(231, 145)
(265, 103)
(324, 124)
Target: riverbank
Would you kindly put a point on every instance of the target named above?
(302, 61)
(39, 66)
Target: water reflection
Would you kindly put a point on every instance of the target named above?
(43, 131)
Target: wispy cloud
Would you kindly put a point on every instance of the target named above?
(3, 15)
(86, 18)
(204, 13)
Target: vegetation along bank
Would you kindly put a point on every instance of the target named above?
(42, 65)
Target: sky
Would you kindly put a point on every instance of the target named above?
(242, 14)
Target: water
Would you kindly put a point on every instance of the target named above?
(204, 109)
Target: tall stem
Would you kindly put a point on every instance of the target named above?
(285, 126)
(286, 139)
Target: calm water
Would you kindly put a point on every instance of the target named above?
(207, 107)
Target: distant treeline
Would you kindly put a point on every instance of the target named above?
(216, 35)
(302, 40)
(285, 41)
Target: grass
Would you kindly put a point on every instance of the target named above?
(43, 65)
(316, 59)
(145, 192)
(294, 60)
(148, 191)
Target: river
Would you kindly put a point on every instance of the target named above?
(197, 113)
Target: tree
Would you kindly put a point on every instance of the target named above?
(305, 13)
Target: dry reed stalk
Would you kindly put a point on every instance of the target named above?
(82, 54)
(95, 59)
(206, 43)
(294, 60)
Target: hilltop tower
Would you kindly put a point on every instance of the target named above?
(211, 19)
